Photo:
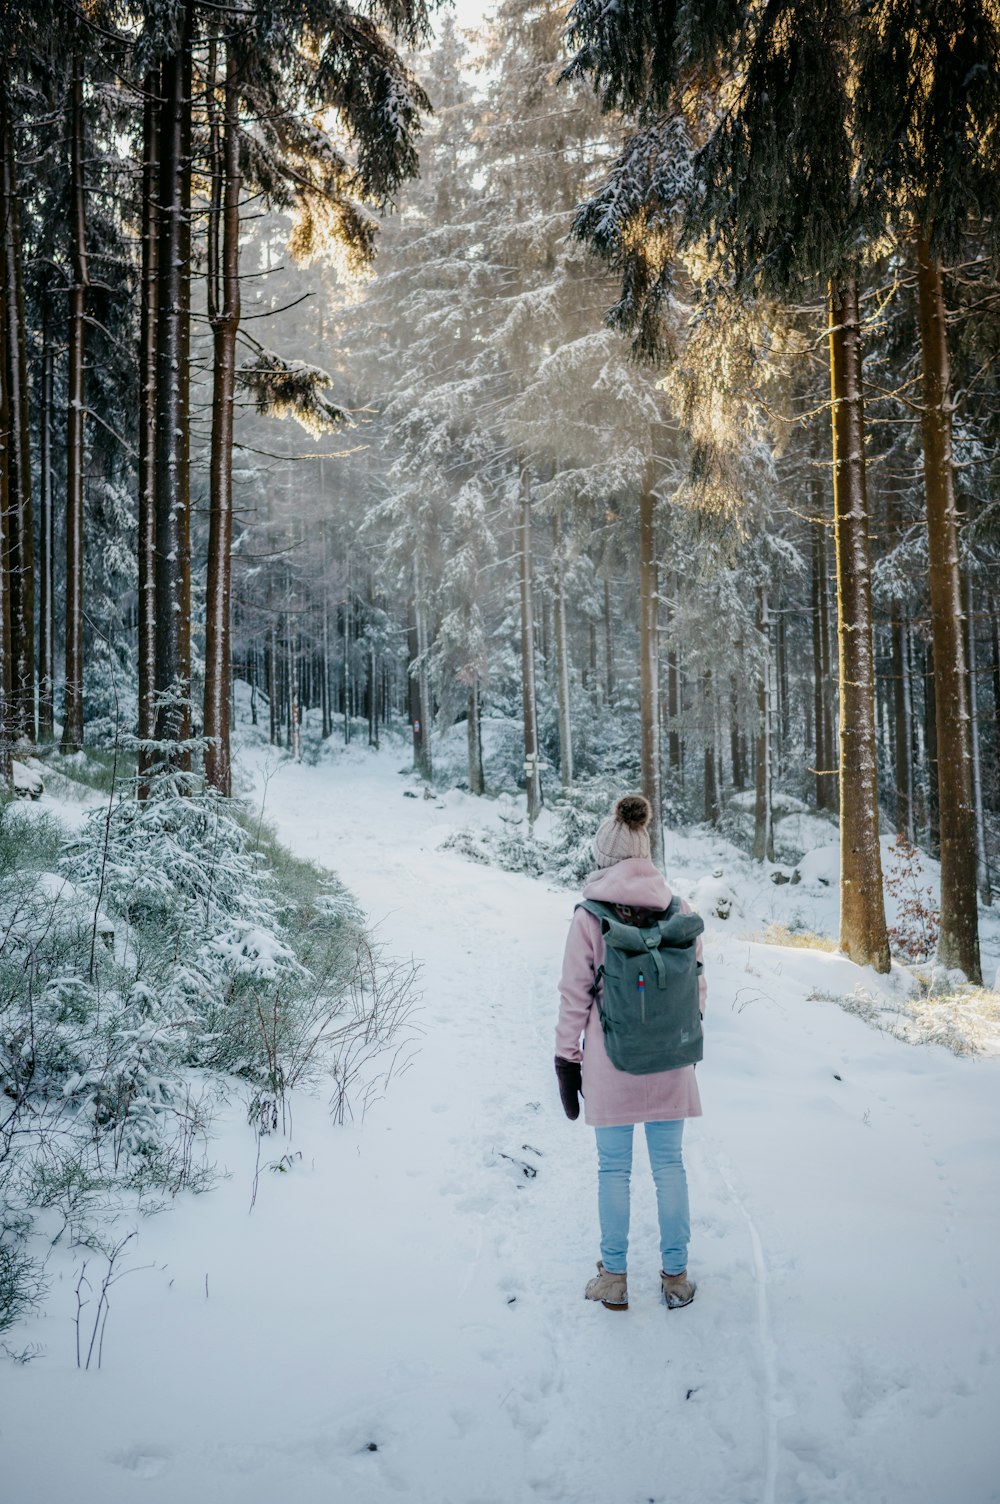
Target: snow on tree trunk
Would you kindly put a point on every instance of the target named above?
(958, 943)
(146, 543)
(902, 721)
(294, 741)
(649, 665)
(423, 670)
(763, 824)
(562, 663)
(862, 905)
(982, 857)
(735, 735)
(371, 698)
(930, 752)
(17, 459)
(6, 771)
(532, 771)
(712, 807)
(46, 546)
(477, 783)
(172, 501)
(72, 732)
(224, 317)
(609, 640)
(821, 753)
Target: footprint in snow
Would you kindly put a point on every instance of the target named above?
(142, 1462)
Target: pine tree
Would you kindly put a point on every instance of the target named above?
(774, 196)
(928, 123)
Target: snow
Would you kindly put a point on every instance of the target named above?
(26, 778)
(401, 1313)
(45, 902)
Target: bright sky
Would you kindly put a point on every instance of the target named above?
(471, 12)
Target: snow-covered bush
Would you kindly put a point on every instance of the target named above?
(168, 942)
(578, 812)
(565, 856)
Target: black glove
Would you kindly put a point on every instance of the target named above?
(570, 1078)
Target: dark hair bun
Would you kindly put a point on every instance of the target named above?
(633, 811)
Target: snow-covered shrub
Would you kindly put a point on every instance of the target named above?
(513, 847)
(565, 856)
(516, 848)
(171, 937)
(474, 843)
(578, 811)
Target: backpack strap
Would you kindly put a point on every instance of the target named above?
(601, 911)
(603, 914)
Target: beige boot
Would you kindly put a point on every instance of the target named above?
(678, 1290)
(610, 1289)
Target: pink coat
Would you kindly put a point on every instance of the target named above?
(611, 1096)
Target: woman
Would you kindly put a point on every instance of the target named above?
(615, 1100)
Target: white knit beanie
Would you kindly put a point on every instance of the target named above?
(624, 833)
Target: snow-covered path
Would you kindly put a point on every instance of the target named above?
(401, 1315)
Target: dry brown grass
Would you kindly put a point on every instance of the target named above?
(780, 934)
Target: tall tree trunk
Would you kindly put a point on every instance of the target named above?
(782, 710)
(151, 109)
(271, 679)
(958, 944)
(763, 824)
(562, 661)
(983, 879)
(327, 718)
(609, 640)
(901, 714)
(423, 669)
(172, 501)
(735, 737)
(675, 747)
(930, 753)
(72, 733)
(649, 664)
(822, 752)
(371, 698)
(46, 547)
(995, 661)
(20, 544)
(474, 737)
(982, 856)
(224, 316)
(532, 771)
(5, 736)
(294, 712)
(413, 691)
(712, 808)
(862, 906)
(831, 785)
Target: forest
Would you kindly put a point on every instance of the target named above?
(570, 380)
(638, 386)
(423, 422)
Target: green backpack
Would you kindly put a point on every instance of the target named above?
(650, 1003)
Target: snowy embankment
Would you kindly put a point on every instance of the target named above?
(400, 1315)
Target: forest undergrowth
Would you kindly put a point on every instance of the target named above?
(167, 957)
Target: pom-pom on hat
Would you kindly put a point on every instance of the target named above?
(624, 833)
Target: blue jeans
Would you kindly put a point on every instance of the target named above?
(614, 1167)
